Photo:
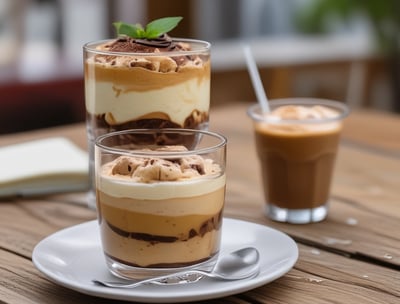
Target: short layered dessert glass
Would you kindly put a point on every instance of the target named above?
(160, 203)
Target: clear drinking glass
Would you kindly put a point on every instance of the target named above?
(160, 199)
(297, 151)
(145, 90)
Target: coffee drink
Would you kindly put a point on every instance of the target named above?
(297, 146)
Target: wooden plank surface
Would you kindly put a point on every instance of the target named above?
(351, 257)
(318, 272)
(374, 129)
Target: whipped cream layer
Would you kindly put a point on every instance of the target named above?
(121, 104)
(160, 190)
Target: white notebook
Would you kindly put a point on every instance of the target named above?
(46, 166)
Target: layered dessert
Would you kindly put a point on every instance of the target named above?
(160, 213)
(297, 146)
(137, 83)
(144, 79)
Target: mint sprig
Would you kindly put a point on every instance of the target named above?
(152, 30)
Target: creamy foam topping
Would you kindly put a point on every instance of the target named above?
(301, 113)
(156, 178)
(293, 113)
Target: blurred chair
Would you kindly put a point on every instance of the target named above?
(26, 106)
(332, 67)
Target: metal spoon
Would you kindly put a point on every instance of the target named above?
(237, 265)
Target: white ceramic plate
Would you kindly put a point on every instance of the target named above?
(73, 257)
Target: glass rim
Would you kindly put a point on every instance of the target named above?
(164, 154)
(90, 47)
(255, 112)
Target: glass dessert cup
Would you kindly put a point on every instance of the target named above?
(144, 90)
(160, 203)
(297, 145)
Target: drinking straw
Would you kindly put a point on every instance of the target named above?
(256, 79)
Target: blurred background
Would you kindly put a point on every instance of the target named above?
(346, 50)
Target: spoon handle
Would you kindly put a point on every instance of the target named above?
(171, 279)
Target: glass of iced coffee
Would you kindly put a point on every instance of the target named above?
(160, 200)
(133, 83)
(297, 142)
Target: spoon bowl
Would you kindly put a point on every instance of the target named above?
(237, 265)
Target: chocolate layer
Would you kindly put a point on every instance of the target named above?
(194, 121)
(213, 223)
(191, 122)
(162, 44)
(162, 265)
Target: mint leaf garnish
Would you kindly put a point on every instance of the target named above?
(131, 30)
(153, 30)
(160, 26)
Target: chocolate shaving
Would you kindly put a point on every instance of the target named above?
(128, 44)
(162, 41)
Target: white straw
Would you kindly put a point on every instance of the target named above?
(256, 79)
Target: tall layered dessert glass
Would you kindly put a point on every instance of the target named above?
(160, 202)
(138, 83)
(297, 143)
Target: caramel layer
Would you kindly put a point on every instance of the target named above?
(140, 79)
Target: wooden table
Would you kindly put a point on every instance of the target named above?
(351, 257)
